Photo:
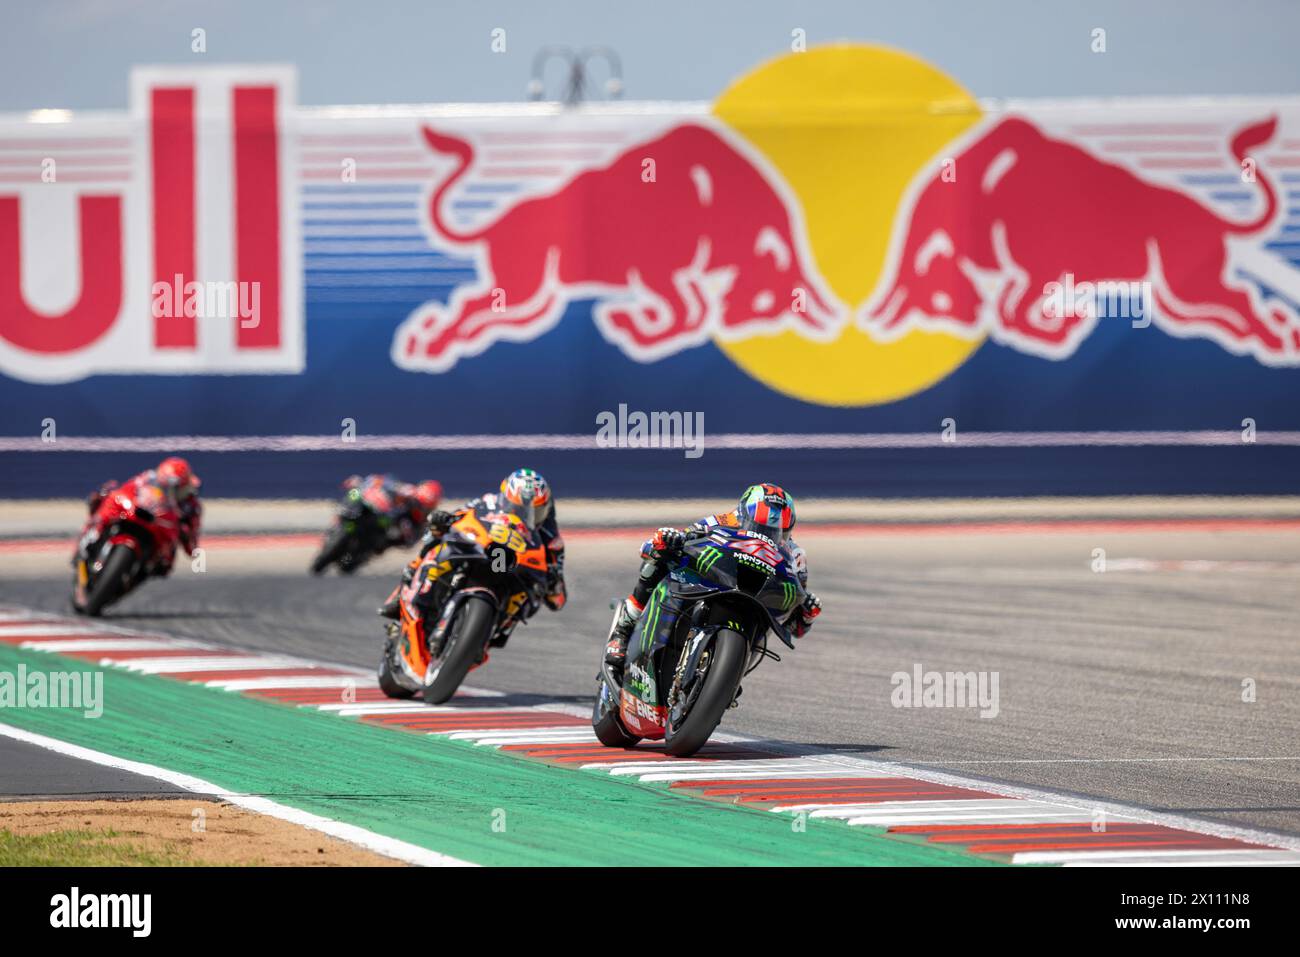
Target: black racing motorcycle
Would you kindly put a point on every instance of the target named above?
(731, 588)
(362, 529)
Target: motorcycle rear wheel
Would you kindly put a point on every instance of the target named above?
(336, 544)
(109, 583)
(728, 655)
(475, 621)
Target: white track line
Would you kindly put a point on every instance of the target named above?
(562, 734)
(288, 683)
(448, 732)
(1157, 856)
(935, 817)
(1086, 808)
(936, 806)
(720, 771)
(163, 666)
(473, 692)
(707, 769)
(1016, 804)
(1261, 861)
(35, 631)
(371, 841)
(57, 646)
(354, 710)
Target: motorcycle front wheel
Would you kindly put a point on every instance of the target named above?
(688, 733)
(475, 621)
(111, 583)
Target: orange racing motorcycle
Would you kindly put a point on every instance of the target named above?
(486, 575)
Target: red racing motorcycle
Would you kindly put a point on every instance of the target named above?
(130, 536)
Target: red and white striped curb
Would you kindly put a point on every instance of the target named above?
(1019, 825)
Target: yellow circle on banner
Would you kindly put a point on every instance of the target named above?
(849, 127)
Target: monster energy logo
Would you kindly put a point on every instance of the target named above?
(755, 563)
(650, 617)
(707, 559)
(789, 596)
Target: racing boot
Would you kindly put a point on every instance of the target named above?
(391, 609)
(625, 619)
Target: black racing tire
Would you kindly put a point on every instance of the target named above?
(475, 620)
(388, 683)
(336, 543)
(609, 727)
(728, 656)
(110, 583)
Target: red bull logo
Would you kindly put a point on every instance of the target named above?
(847, 225)
(681, 238)
(985, 251)
(915, 226)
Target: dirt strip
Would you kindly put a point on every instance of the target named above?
(170, 832)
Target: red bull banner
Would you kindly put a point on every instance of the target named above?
(843, 244)
(117, 231)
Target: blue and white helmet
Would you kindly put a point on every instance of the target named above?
(525, 493)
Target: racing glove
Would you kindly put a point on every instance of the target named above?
(96, 498)
(440, 521)
(806, 614)
(667, 541)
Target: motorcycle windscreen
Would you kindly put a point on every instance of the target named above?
(530, 514)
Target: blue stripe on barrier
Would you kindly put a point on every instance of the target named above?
(395, 204)
(361, 222)
(720, 474)
(362, 188)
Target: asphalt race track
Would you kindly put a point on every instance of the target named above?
(1124, 685)
(33, 772)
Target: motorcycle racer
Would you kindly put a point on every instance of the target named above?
(525, 493)
(410, 506)
(176, 481)
(767, 510)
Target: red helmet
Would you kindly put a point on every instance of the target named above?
(175, 473)
(428, 494)
(767, 509)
